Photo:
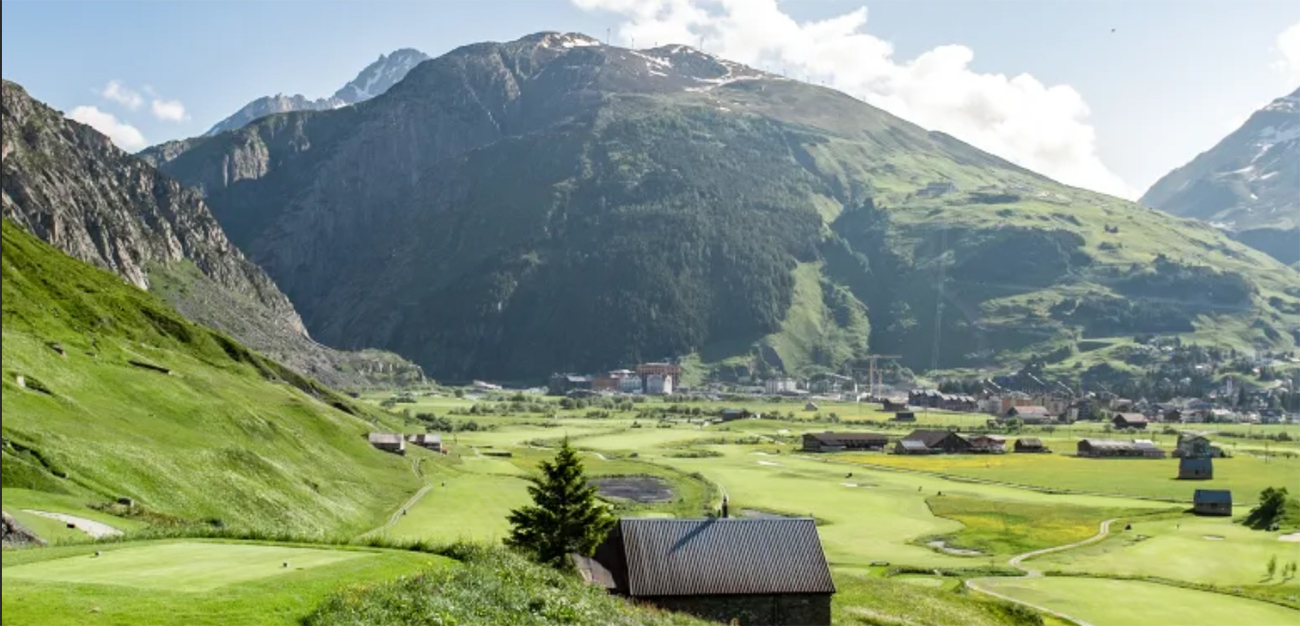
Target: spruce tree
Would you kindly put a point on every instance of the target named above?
(565, 516)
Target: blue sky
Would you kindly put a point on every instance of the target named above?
(1107, 110)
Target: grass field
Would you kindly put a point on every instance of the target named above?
(187, 582)
(1246, 476)
(1134, 603)
(1008, 528)
(1195, 549)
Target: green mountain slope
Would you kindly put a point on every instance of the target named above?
(511, 209)
(122, 397)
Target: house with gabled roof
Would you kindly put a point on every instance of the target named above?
(762, 571)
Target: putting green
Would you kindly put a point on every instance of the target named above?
(186, 566)
(1135, 603)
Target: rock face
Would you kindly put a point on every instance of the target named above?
(551, 203)
(1248, 183)
(372, 81)
(69, 185)
(16, 535)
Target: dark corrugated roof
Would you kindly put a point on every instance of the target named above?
(830, 437)
(928, 437)
(1213, 496)
(1192, 464)
(667, 557)
(1034, 442)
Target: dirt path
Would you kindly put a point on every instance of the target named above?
(88, 526)
(1016, 562)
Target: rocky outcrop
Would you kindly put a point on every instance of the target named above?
(69, 185)
(16, 535)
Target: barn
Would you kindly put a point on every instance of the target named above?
(388, 442)
(1195, 468)
(760, 572)
(1031, 444)
(836, 442)
(939, 441)
(1130, 420)
(1212, 502)
(427, 441)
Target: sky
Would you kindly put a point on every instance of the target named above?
(1104, 94)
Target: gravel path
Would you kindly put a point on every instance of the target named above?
(88, 526)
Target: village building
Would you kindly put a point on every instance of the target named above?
(1130, 420)
(427, 441)
(780, 386)
(1030, 414)
(913, 446)
(1114, 448)
(904, 417)
(889, 405)
(760, 572)
(388, 442)
(659, 384)
(810, 406)
(838, 442)
(936, 441)
(562, 384)
(1212, 502)
(988, 444)
(1031, 445)
(1195, 468)
(1196, 445)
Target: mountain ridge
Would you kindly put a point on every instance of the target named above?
(517, 192)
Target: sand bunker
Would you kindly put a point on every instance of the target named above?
(642, 489)
(1212, 537)
(849, 484)
(1293, 537)
(769, 463)
(943, 547)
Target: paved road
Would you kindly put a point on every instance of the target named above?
(88, 526)
(1016, 562)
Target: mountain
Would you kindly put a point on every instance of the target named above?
(372, 81)
(69, 185)
(110, 393)
(1249, 183)
(551, 203)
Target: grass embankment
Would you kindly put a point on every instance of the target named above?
(1005, 527)
(897, 602)
(122, 397)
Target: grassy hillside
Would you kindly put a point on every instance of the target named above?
(123, 397)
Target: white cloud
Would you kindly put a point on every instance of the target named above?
(124, 135)
(115, 91)
(1044, 128)
(1288, 47)
(168, 110)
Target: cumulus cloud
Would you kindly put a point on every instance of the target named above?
(124, 135)
(1288, 47)
(168, 110)
(1042, 127)
(115, 91)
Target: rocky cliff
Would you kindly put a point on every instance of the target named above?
(69, 185)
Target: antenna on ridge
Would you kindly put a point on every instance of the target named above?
(607, 35)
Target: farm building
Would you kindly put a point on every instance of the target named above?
(912, 446)
(988, 444)
(1212, 502)
(561, 384)
(1196, 445)
(811, 406)
(893, 404)
(1130, 420)
(938, 441)
(750, 571)
(904, 416)
(426, 440)
(731, 415)
(1030, 414)
(1112, 448)
(1195, 468)
(388, 442)
(1031, 444)
(836, 442)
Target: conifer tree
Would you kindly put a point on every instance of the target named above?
(565, 516)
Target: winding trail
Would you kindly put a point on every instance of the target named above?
(1016, 562)
(88, 526)
(417, 469)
